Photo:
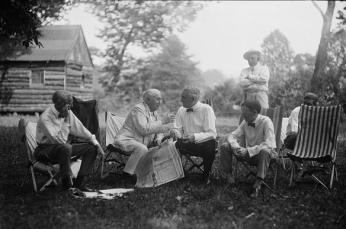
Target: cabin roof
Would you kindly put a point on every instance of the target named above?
(60, 43)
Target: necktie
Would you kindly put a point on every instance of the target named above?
(189, 110)
(252, 124)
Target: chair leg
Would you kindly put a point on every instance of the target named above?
(275, 175)
(333, 173)
(33, 178)
(319, 181)
(293, 168)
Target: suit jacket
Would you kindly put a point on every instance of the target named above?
(141, 125)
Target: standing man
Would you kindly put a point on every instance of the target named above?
(142, 129)
(53, 128)
(254, 79)
(195, 129)
(257, 131)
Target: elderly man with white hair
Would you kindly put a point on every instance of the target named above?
(254, 79)
(142, 128)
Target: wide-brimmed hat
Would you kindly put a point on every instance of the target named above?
(250, 52)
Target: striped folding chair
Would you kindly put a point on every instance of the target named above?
(276, 115)
(317, 142)
(114, 157)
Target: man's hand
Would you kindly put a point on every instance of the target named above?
(189, 138)
(169, 118)
(241, 152)
(174, 133)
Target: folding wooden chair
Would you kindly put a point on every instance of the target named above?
(276, 115)
(317, 142)
(114, 157)
(28, 137)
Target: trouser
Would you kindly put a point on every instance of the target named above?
(136, 150)
(260, 96)
(62, 153)
(205, 150)
(261, 160)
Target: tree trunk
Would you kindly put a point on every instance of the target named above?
(321, 57)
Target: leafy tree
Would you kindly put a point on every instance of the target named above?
(20, 20)
(278, 56)
(213, 77)
(141, 24)
(224, 96)
(169, 71)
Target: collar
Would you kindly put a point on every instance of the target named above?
(146, 107)
(196, 106)
(256, 121)
(54, 111)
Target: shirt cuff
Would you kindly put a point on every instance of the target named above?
(94, 140)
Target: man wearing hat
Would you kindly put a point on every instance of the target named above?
(254, 79)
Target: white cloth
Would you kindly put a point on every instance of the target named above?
(254, 79)
(52, 130)
(200, 122)
(256, 138)
(292, 125)
(159, 165)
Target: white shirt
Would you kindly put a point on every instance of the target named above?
(254, 79)
(52, 130)
(200, 122)
(256, 138)
(292, 126)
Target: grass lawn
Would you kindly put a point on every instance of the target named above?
(186, 203)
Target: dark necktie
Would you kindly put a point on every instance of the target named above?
(189, 110)
(252, 124)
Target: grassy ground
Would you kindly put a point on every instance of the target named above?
(186, 203)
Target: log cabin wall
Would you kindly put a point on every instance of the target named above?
(28, 87)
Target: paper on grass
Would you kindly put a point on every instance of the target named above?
(108, 194)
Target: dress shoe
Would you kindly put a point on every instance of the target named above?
(256, 188)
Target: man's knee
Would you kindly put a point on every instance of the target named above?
(65, 150)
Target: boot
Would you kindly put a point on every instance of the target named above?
(66, 183)
(80, 184)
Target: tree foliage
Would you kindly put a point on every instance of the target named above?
(278, 56)
(169, 71)
(20, 20)
(141, 24)
(225, 95)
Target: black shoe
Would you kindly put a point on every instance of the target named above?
(66, 183)
(256, 188)
(80, 184)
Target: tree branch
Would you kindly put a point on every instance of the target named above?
(317, 7)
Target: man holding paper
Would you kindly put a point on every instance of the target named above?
(195, 129)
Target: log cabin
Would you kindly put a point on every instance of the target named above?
(29, 78)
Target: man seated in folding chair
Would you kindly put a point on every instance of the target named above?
(310, 99)
(142, 129)
(53, 128)
(258, 132)
(195, 129)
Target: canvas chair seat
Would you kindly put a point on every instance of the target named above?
(276, 115)
(115, 158)
(316, 143)
(27, 131)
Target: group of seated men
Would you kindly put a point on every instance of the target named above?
(193, 127)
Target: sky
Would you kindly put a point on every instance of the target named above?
(224, 30)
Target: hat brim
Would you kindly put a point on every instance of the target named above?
(251, 52)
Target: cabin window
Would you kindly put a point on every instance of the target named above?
(37, 77)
